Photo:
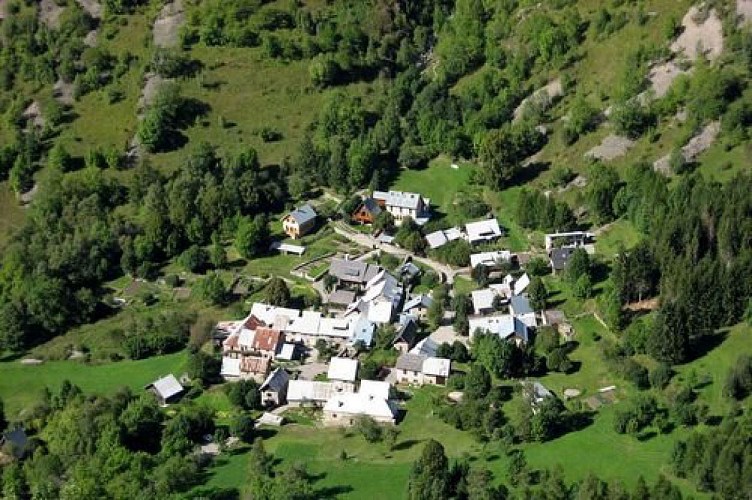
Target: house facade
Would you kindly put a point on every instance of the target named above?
(274, 389)
(299, 222)
(366, 212)
(417, 369)
(403, 204)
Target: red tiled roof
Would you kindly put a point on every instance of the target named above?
(250, 364)
(253, 322)
(267, 339)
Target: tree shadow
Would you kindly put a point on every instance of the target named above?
(327, 491)
(707, 343)
(646, 436)
(530, 172)
(406, 444)
(213, 493)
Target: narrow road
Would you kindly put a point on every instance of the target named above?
(369, 241)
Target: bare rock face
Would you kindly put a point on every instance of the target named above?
(702, 35)
(613, 146)
(167, 26)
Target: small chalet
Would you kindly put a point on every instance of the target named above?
(535, 393)
(418, 306)
(274, 389)
(299, 222)
(422, 370)
(167, 389)
(366, 212)
(15, 442)
(559, 258)
(407, 334)
(573, 239)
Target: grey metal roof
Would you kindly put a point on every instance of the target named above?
(421, 300)
(560, 257)
(341, 297)
(276, 381)
(410, 362)
(167, 387)
(407, 332)
(354, 271)
(520, 305)
(303, 214)
(399, 199)
(371, 206)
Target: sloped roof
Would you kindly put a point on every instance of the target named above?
(439, 367)
(421, 300)
(254, 365)
(310, 390)
(400, 199)
(276, 381)
(406, 332)
(560, 257)
(361, 404)
(361, 329)
(345, 369)
(287, 352)
(520, 305)
(521, 284)
(371, 206)
(426, 347)
(267, 339)
(375, 388)
(167, 387)
(489, 259)
(481, 230)
(410, 362)
(355, 271)
(341, 297)
(308, 323)
(483, 299)
(380, 312)
(303, 214)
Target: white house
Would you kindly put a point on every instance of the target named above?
(299, 222)
(417, 369)
(490, 259)
(572, 239)
(403, 204)
(483, 301)
(167, 389)
(343, 370)
(505, 326)
(482, 231)
(311, 392)
(371, 400)
(520, 307)
(440, 238)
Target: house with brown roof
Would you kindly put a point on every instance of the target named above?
(366, 212)
(267, 342)
(245, 368)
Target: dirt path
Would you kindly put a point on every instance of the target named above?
(371, 242)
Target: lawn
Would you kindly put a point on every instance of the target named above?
(22, 385)
(439, 182)
(620, 233)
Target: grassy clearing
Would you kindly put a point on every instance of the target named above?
(22, 385)
(11, 213)
(245, 92)
(621, 232)
(439, 182)
(99, 123)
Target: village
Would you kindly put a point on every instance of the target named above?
(305, 358)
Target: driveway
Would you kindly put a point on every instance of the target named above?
(372, 243)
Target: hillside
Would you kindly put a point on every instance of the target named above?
(150, 151)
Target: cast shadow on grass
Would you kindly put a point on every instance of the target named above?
(707, 343)
(406, 444)
(327, 491)
(214, 493)
(646, 436)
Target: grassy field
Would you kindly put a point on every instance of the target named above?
(22, 385)
(439, 182)
(245, 92)
(11, 214)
